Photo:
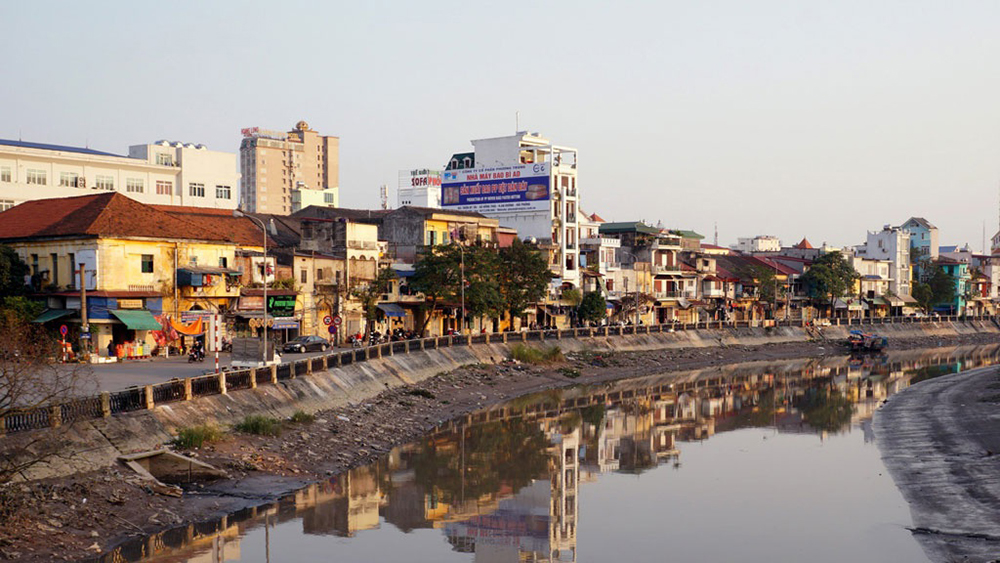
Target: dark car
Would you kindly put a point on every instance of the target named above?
(306, 343)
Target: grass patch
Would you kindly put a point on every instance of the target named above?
(302, 417)
(528, 355)
(571, 373)
(259, 425)
(196, 436)
(421, 393)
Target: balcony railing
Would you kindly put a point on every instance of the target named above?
(674, 295)
(657, 269)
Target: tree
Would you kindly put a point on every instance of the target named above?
(370, 293)
(437, 275)
(924, 295)
(12, 272)
(593, 307)
(482, 292)
(30, 384)
(523, 277)
(942, 286)
(829, 278)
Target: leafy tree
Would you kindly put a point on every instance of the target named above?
(523, 277)
(592, 307)
(826, 409)
(370, 293)
(572, 296)
(924, 295)
(483, 297)
(942, 286)
(437, 275)
(21, 307)
(829, 278)
(12, 272)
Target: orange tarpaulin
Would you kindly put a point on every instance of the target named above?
(191, 329)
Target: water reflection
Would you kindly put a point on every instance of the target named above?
(503, 484)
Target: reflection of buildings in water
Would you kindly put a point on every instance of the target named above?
(341, 506)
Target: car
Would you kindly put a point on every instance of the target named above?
(306, 343)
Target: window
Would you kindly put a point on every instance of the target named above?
(147, 263)
(103, 182)
(4, 173)
(304, 276)
(223, 262)
(197, 190)
(54, 278)
(164, 187)
(319, 274)
(134, 185)
(164, 159)
(223, 192)
(35, 176)
(6, 204)
(328, 198)
(34, 264)
(72, 270)
(69, 179)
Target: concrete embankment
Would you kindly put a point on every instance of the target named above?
(96, 444)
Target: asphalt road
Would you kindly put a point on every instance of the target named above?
(130, 373)
(940, 440)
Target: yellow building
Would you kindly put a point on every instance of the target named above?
(139, 263)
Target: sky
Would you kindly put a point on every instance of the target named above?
(794, 119)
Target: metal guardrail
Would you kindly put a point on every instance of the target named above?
(144, 398)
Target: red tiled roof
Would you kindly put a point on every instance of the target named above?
(803, 244)
(99, 215)
(597, 218)
(240, 230)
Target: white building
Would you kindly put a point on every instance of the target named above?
(892, 244)
(759, 243)
(304, 197)
(529, 184)
(419, 188)
(162, 173)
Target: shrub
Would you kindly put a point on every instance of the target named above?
(302, 417)
(259, 425)
(196, 436)
(421, 393)
(528, 355)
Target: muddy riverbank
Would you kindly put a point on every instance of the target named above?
(77, 517)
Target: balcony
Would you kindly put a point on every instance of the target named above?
(606, 242)
(666, 243)
(659, 269)
(674, 295)
(713, 292)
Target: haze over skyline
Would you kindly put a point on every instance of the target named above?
(783, 118)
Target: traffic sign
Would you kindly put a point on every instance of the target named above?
(63, 330)
(84, 336)
(328, 320)
(337, 320)
(332, 329)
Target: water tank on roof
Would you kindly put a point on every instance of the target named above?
(178, 144)
(200, 147)
(163, 143)
(189, 146)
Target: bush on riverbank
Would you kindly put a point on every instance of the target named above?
(196, 436)
(259, 425)
(528, 355)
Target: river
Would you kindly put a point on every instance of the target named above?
(764, 461)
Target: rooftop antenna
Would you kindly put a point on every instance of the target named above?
(383, 192)
(716, 243)
(517, 122)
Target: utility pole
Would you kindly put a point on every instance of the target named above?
(85, 327)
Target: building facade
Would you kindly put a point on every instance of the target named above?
(281, 171)
(164, 173)
(420, 188)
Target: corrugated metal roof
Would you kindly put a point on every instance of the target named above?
(61, 148)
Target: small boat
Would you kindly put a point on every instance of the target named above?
(860, 341)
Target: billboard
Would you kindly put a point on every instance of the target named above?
(524, 187)
(421, 178)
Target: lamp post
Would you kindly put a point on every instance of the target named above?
(263, 328)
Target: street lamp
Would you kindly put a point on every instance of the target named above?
(264, 229)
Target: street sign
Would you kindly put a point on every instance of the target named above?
(63, 330)
(332, 329)
(84, 336)
(337, 320)
(328, 320)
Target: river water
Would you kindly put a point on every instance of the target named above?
(756, 462)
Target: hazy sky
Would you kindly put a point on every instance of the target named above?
(795, 118)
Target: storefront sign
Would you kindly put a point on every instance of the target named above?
(281, 305)
(130, 304)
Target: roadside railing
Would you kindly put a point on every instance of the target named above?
(176, 390)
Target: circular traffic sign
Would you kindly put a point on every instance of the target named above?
(337, 320)
(327, 320)
(63, 330)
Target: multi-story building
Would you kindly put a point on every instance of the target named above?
(285, 172)
(923, 244)
(759, 243)
(892, 244)
(420, 188)
(528, 184)
(164, 172)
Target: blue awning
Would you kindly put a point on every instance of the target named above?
(391, 310)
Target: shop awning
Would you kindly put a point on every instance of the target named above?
(391, 310)
(53, 314)
(137, 319)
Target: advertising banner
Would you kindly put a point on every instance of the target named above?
(496, 190)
